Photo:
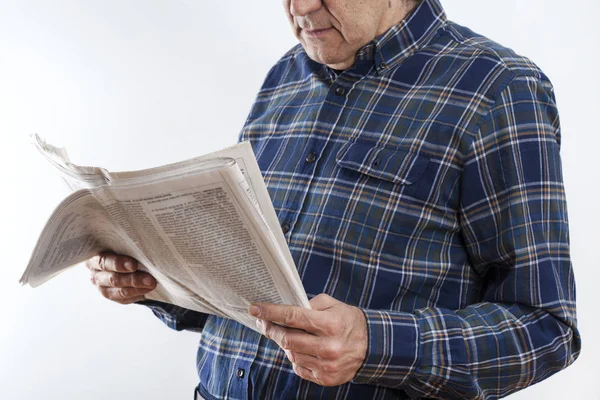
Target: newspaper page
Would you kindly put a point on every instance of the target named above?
(204, 228)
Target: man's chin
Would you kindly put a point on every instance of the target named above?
(332, 60)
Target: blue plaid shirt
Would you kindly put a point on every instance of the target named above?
(424, 186)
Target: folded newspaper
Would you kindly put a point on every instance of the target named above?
(205, 228)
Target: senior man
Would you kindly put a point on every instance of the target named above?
(415, 169)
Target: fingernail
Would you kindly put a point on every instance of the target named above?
(148, 281)
(129, 266)
(255, 310)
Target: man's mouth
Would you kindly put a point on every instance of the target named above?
(316, 33)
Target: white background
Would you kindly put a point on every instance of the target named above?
(128, 84)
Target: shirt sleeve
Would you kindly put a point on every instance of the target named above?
(513, 219)
(177, 318)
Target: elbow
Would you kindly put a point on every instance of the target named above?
(574, 348)
(562, 350)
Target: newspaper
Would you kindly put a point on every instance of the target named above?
(205, 228)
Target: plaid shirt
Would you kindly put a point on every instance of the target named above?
(423, 186)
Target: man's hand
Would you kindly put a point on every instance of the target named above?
(326, 345)
(117, 278)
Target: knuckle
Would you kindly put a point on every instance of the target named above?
(124, 293)
(315, 377)
(133, 279)
(127, 279)
(305, 319)
(329, 330)
(333, 351)
(289, 316)
(104, 292)
(335, 326)
(265, 328)
(291, 356)
(267, 332)
(297, 370)
(113, 280)
(326, 367)
(284, 341)
(119, 263)
(321, 296)
(329, 367)
(102, 261)
(137, 279)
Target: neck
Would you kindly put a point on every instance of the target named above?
(398, 11)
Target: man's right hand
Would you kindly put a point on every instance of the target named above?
(118, 279)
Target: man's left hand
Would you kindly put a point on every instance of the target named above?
(326, 345)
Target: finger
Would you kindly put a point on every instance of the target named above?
(92, 263)
(305, 373)
(123, 295)
(292, 316)
(308, 361)
(131, 300)
(114, 263)
(290, 339)
(135, 299)
(117, 279)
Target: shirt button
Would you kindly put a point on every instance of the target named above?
(311, 158)
(285, 228)
(340, 91)
(383, 65)
(240, 373)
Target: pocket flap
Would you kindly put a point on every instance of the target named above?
(395, 165)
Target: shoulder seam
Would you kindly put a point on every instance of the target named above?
(501, 88)
(459, 38)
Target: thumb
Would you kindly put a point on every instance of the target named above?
(323, 302)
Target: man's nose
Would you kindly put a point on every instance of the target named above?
(301, 8)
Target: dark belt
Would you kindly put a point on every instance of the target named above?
(198, 397)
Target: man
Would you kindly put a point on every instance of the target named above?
(415, 169)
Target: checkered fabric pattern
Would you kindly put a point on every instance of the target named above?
(423, 186)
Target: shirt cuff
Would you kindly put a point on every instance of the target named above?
(393, 350)
(175, 317)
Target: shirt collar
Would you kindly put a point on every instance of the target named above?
(404, 39)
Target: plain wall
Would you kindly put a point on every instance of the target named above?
(129, 84)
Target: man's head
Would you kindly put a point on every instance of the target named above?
(332, 31)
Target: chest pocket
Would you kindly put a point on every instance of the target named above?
(371, 197)
(367, 215)
(395, 165)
